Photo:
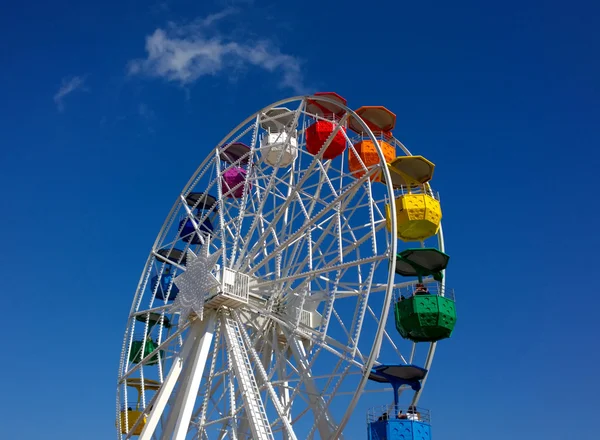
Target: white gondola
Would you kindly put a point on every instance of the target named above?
(279, 144)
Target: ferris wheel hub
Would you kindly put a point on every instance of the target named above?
(233, 291)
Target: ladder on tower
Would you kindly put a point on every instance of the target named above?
(255, 410)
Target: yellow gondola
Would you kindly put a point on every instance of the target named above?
(418, 212)
(129, 415)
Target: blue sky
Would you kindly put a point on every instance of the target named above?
(106, 109)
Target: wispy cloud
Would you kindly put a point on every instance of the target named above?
(224, 3)
(145, 112)
(159, 7)
(68, 86)
(184, 53)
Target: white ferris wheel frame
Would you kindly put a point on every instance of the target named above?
(190, 363)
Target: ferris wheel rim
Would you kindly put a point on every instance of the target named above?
(373, 354)
(381, 325)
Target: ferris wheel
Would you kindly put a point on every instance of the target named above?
(262, 310)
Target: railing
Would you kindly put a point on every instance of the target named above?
(132, 406)
(416, 189)
(433, 287)
(236, 284)
(306, 318)
(326, 116)
(399, 412)
(279, 137)
(379, 135)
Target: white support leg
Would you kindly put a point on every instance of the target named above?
(180, 414)
(165, 390)
(162, 398)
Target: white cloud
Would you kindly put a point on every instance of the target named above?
(184, 53)
(68, 86)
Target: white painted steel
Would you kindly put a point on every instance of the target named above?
(308, 266)
(325, 424)
(193, 368)
(169, 384)
(257, 416)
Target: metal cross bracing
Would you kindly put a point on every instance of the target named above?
(264, 378)
(314, 241)
(257, 416)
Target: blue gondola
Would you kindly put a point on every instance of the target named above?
(168, 256)
(202, 203)
(188, 232)
(166, 280)
(392, 422)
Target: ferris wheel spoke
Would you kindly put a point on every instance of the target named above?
(347, 290)
(297, 243)
(308, 232)
(388, 338)
(332, 263)
(346, 332)
(158, 309)
(353, 245)
(202, 414)
(331, 395)
(328, 259)
(301, 215)
(349, 193)
(243, 204)
(325, 424)
(290, 256)
(324, 178)
(309, 275)
(192, 218)
(294, 192)
(264, 223)
(255, 222)
(163, 345)
(326, 220)
(299, 381)
(329, 310)
(270, 187)
(216, 404)
(312, 195)
(359, 314)
(201, 173)
(219, 417)
(412, 353)
(327, 343)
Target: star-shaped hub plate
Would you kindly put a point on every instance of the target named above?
(194, 285)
